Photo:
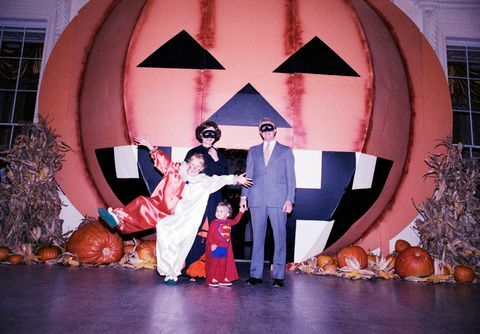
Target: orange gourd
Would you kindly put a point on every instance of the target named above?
(15, 259)
(355, 252)
(93, 243)
(463, 274)
(414, 261)
(401, 245)
(147, 251)
(322, 260)
(47, 253)
(4, 251)
(330, 268)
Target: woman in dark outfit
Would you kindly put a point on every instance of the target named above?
(207, 134)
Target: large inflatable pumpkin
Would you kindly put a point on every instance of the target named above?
(353, 85)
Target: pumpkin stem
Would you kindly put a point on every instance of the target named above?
(106, 251)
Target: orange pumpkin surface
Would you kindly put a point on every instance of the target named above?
(93, 243)
(147, 251)
(322, 260)
(414, 261)
(355, 252)
(47, 253)
(330, 268)
(463, 274)
(4, 251)
(15, 259)
(401, 245)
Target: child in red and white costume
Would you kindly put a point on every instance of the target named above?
(175, 208)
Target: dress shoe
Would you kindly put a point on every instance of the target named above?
(277, 283)
(254, 281)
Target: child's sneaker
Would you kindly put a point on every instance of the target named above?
(213, 283)
(226, 282)
(109, 217)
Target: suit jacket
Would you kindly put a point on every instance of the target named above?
(273, 184)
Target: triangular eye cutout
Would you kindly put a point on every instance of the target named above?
(316, 57)
(246, 108)
(182, 51)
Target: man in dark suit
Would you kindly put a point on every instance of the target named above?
(271, 166)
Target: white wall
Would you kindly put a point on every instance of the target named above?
(440, 20)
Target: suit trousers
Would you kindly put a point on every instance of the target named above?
(278, 221)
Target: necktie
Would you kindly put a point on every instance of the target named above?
(266, 153)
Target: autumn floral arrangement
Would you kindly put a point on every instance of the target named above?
(448, 227)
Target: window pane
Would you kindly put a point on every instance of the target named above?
(461, 128)
(16, 131)
(25, 107)
(6, 106)
(11, 42)
(466, 153)
(459, 93)
(457, 63)
(476, 152)
(5, 131)
(476, 129)
(475, 95)
(29, 74)
(474, 70)
(33, 46)
(8, 73)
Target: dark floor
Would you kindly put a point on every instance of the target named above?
(55, 299)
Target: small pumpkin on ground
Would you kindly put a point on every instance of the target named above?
(355, 252)
(401, 245)
(47, 253)
(330, 268)
(93, 243)
(147, 251)
(323, 260)
(414, 261)
(4, 251)
(463, 274)
(15, 259)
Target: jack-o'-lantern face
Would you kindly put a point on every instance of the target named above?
(238, 61)
(329, 73)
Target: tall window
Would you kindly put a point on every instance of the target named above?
(464, 81)
(21, 51)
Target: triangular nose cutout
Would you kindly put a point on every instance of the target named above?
(182, 51)
(316, 57)
(246, 108)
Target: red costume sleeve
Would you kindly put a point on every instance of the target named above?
(160, 160)
(237, 218)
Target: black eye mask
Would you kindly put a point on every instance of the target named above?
(209, 134)
(266, 127)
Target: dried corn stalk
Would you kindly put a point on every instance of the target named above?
(29, 200)
(449, 227)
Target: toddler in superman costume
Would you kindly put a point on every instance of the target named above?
(219, 261)
(174, 209)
